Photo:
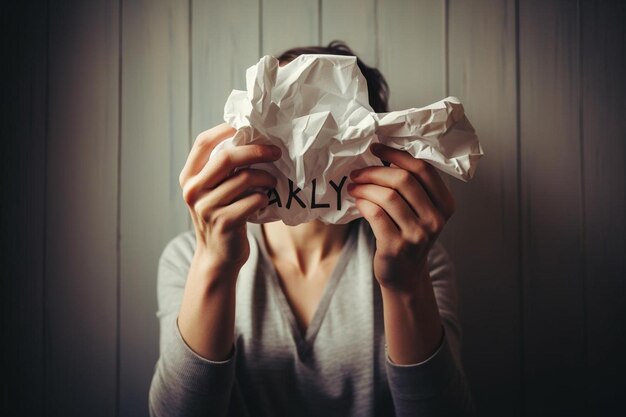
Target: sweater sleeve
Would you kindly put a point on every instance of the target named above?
(437, 386)
(184, 383)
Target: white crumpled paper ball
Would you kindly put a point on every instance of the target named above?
(316, 110)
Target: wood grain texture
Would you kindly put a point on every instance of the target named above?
(411, 51)
(483, 235)
(551, 208)
(154, 146)
(354, 22)
(81, 211)
(225, 42)
(538, 237)
(289, 23)
(23, 81)
(604, 149)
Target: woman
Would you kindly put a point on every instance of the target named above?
(336, 320)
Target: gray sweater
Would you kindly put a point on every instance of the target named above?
(339, 367)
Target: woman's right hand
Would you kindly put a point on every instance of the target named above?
(220, 200)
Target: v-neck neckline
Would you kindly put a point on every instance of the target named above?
(304, 342)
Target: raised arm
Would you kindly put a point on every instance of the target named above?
(407, 205)
(195, 371)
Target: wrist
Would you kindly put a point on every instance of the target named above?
(207, 313)
(213, 270)
(412, 322)
(413, 288)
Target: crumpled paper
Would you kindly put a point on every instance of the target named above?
(316, 110)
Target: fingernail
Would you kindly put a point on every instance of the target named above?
(355, 173)
(276, 151)
(351, 186)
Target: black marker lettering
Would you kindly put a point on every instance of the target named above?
(338, 190)
(275, 199)
(313, 203)
(292, 195)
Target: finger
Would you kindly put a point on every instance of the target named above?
(202, 147)
(240, 156)
(382, 226)
(425, 173)
(392, 202)
(216, 170)
(237, 213)
(232, 188)
(404, 183)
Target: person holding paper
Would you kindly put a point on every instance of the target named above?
(350, 319)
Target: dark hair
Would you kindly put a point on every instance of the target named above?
(377, 88)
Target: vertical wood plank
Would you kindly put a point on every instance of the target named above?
(604, 149)
(352, 21)
(81, 217)
(22, 211)
(411, 50)
(225, 41)
(154, 146)
(551, 209)
(289, 23)
(482, 237)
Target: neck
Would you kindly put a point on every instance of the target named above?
(305, 245)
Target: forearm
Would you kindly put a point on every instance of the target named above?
(413, 328)
(207, 315)
(185, 382)
(423, 376)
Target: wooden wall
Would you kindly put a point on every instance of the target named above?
(102, 99)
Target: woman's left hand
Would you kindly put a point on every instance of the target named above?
(407, 205)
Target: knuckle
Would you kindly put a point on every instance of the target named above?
(377, 213)
(223, 158)
(201, 138)
(404, 177)
(417, 236)
(259, 199)
(421, 237)
(245, 176)
(390, 195)
(204, 138)
(188, 194)
(259, 152)
(437, 222)
(421, 166)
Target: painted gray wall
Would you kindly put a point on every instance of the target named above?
(102, 99)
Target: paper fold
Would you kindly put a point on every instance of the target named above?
(316, 110)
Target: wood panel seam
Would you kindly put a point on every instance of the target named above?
(520, 240)
(260, 28)
(583, 223)
(118, 346)
(446, 48)
(44, 329)
(190, 138)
